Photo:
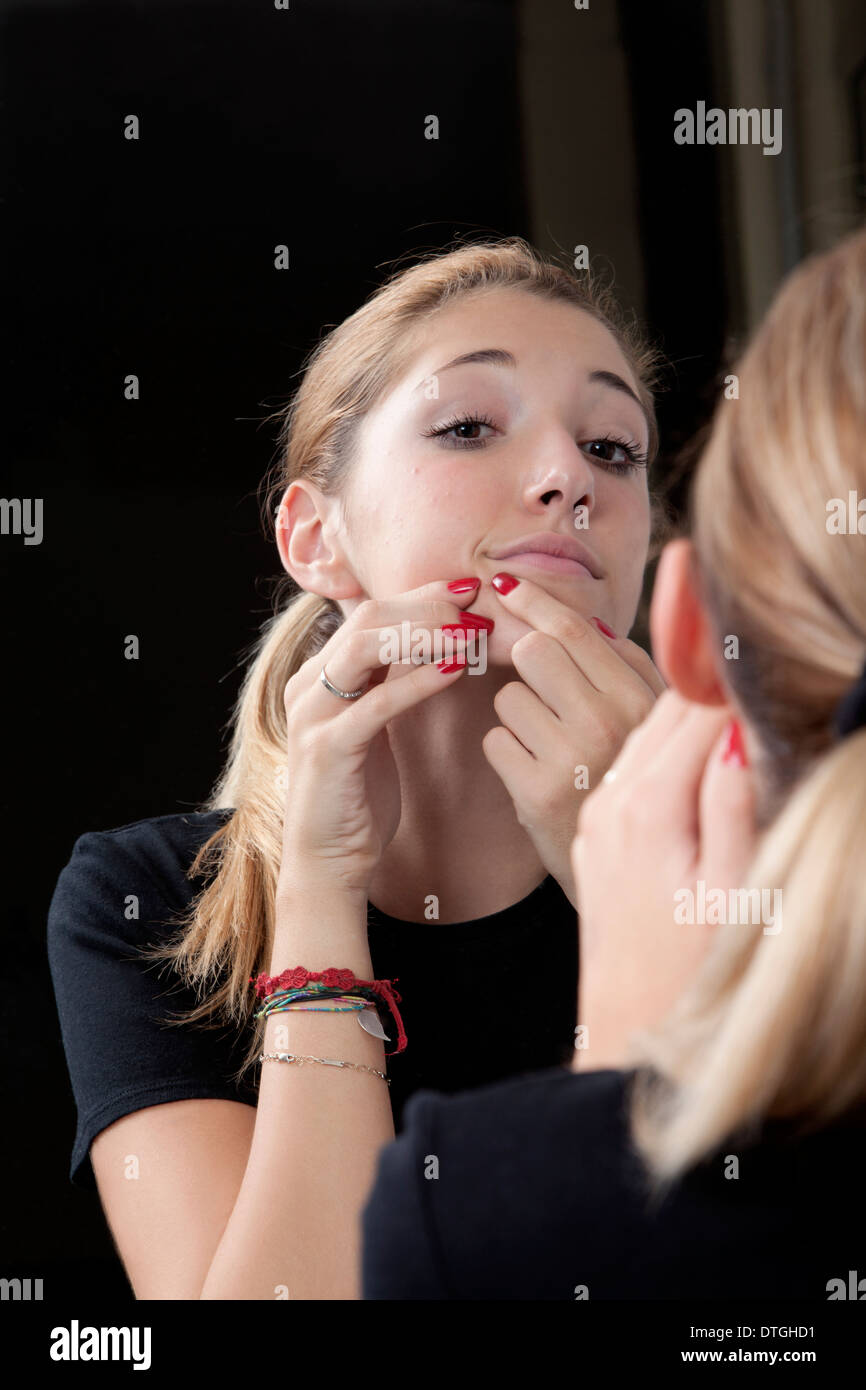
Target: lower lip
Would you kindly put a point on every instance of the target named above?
(558, 564)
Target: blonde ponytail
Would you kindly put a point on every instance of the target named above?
(228, 931)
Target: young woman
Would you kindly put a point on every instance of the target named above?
(709, 1139)
(383, 812)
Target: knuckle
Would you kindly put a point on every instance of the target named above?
(356, 644)
(365, 614)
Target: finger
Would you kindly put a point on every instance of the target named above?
(674, 774)
(529, 720)
(367, 653)
(551, 674)
(370, 714)
(643, 742)
(729, 834)
(641, 663)
(597, 656)
(395, 624)
(509, 758)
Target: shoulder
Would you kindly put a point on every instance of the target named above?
(168, 841)
(485, 1165)
(526, 1113)
(148, 858)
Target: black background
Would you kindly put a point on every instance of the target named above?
(155, 257)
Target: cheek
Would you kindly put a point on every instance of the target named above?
(416, 521)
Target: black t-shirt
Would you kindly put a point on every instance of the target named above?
(531, 1189)
(469, 1016)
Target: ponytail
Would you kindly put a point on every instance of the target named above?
(227, 932)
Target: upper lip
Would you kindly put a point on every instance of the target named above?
(549, 543)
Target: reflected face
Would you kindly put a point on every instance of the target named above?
(477, 466)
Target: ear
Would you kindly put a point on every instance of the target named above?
(684, 646)
(307, 539)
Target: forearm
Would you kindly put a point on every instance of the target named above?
(296, 1223)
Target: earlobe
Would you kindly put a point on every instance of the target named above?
(680, 632)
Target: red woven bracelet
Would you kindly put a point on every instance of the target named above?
(341, 979)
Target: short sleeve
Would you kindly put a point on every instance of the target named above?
(116, 895)
(401, 1257)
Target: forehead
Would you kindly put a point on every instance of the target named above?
(547, 335)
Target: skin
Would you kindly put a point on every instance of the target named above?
(488, 808)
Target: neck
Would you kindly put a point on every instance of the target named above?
(459, 841)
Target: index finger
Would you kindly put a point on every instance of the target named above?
(583, 642)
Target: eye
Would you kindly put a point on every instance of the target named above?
(616, 455)
(461, 422)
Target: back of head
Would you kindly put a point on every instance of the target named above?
(775, 1024)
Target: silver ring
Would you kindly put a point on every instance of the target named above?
(343, 694)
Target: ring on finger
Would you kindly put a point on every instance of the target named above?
(335, 690)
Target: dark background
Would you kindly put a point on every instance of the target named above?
(155, 257)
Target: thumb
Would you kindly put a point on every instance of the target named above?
(728, 831)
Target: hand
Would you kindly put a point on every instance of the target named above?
(580, 695)
(673, 813)
(342, 806)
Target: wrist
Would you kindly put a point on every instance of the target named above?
(318, 925)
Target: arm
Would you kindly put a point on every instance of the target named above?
(233, 1202)
(318, 1131)
(293, 1228)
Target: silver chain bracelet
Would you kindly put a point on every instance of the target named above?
(326, 1061)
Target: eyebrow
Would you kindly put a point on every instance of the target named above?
(499, 357)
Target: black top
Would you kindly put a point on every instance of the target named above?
(539, 1194)
(453, 980)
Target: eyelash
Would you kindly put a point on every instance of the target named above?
(637, 457)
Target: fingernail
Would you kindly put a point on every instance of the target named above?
(603, 627)
(473, 620)
(446, 667)
(504, 582)
(734, 751)
(463, 586)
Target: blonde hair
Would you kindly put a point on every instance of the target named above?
(225, 935)
(774, 1025)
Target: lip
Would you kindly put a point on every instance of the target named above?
(547, 550)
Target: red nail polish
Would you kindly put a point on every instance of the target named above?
(734, 751)
(446, 667)
(474, 620)
(603, 627)
(463, 586)
(504, 582)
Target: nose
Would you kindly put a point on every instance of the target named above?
(559, 485)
